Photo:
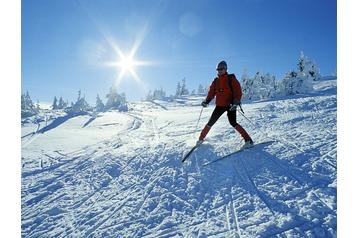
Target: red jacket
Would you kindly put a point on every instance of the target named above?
(225, 95)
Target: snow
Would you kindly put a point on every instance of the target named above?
(119, 174)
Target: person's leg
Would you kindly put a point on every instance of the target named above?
(218, 111)
(232, 119)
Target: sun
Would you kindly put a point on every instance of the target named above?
(127, 64)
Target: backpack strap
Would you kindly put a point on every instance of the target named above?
(230, 78)
(215, 82)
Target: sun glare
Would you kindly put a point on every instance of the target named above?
(126, 64)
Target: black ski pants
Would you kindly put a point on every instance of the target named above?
(218, 111)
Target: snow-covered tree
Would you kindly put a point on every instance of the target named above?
(149, 96)
(306, 67)
(269, 86)
(178, 90)
(116, 101)
(80, 106)
(184, 90)
(54, 104)
(61, 104)
(122, 106)
(99, 104)
(79, 95)
(246, 86)
(27, 106)
(259, 87)
(157, 94)
(38, 105)
(296, 83)
(201, 90)
(181, 89)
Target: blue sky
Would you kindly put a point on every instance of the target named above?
(66, 43)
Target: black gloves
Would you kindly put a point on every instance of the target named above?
(204, 103)
(234, 106)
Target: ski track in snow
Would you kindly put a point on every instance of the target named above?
(132, 182)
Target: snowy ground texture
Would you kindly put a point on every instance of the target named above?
(119, 174)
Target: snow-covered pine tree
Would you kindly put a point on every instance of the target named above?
(122, 106)
(61, 104)
(27, 106)
(268, 86)
(260, 87)
(306, 67)
(116, 101)
(54, 104)
(149, 96)
(184, 90)
(112, 98)
(178, 90)
(246, 86)
(161, 94)
(301, 63)
(38, 105)
(201, 90)
(314, 72)
(296, 83)
(78, 95)
(157, 94)
(81, 106)
(99, 104)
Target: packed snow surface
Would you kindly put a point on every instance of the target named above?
(119, 174)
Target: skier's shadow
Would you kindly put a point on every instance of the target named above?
(278, 183)
(249, 167)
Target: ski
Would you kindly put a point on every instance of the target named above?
(235, 152)
(189, 153)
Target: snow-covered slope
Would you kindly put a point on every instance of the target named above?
(120, 174)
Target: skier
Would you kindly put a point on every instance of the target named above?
(227, 90)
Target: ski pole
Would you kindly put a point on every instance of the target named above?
(199, 118)
(241, 108)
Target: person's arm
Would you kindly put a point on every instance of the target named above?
(211, 93)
